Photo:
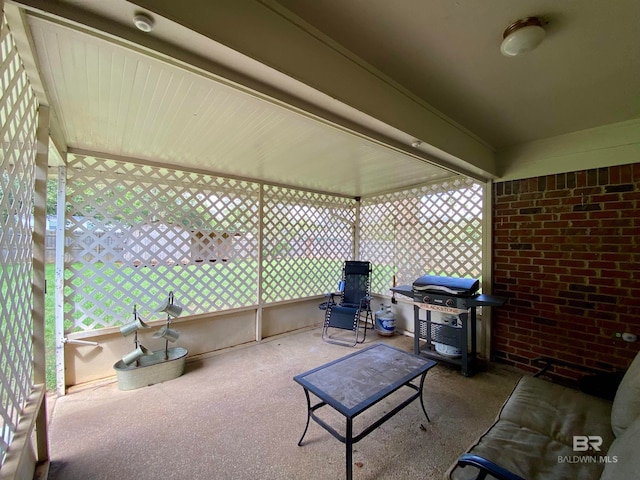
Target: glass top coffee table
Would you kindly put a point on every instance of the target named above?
(356, 382)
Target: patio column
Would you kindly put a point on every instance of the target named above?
(356, 232)
(59, 280)
(487, 269)
(260, 266)
(39, 282)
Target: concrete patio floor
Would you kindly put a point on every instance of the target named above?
(239, 415)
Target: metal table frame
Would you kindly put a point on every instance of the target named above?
(402, 369)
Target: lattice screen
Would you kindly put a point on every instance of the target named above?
(135, 233)
(18, 109)
(432, 230)
(307, 238)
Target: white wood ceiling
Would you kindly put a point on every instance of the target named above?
(117, 101)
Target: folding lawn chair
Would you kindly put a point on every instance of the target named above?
(353, 305)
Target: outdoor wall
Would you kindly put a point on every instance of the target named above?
(567, 256)
(286, 317)
(200, 334)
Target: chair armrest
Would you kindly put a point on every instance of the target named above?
(365, 302)
(544, 363)
(332, 300)
(486, 467)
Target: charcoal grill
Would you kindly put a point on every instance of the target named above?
(457, 297)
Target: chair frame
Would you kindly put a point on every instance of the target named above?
(351, 308)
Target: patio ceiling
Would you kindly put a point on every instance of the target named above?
(222, 87)
(113, 100)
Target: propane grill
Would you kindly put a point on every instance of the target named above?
(456, 293)
(457, 296)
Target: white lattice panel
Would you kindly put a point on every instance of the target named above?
(136, 232)
(306, 239)
(18, 108)
(434, 230)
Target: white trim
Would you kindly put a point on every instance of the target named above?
(59, 281)
(15, 466)
(606, 146)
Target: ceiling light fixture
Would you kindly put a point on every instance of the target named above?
(522, 36)
(144, 22)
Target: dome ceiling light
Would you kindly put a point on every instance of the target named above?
(522, 36)
(143, 22)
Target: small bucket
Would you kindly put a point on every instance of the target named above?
(129, 328)
(136, 354)
(167, 333)
(171, 310)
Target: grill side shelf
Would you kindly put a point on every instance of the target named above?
(406, 290)
(486, 301)
(477, 301)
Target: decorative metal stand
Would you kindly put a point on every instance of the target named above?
(142, 367)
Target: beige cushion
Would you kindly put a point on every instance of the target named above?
(531, 455)
(623, 458)
(626, 404)
(536, 426)
(558, 412)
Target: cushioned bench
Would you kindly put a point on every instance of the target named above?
(543, 431)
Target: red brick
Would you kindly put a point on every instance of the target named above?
(596, 249)
(586, 223)
(615, 175)
(619, 205)
(531, 196)
(604, 214)
(605, 197)
(629, 172)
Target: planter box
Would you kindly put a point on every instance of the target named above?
(151, 369)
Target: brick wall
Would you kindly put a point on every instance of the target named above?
(567, 256)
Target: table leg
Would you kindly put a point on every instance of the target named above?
(421, 400)
(306, 392)
(348, 440)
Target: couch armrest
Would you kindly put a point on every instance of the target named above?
(487, 467)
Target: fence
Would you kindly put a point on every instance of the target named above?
(18, 111)
(133, 232)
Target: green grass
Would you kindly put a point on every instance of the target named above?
(382, 274)
(144, 281)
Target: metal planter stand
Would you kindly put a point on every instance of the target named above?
(142, 367)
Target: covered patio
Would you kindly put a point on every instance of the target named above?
(239, 415)
(218, 191)
(233, 155)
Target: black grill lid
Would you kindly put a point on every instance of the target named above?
(448, 285)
